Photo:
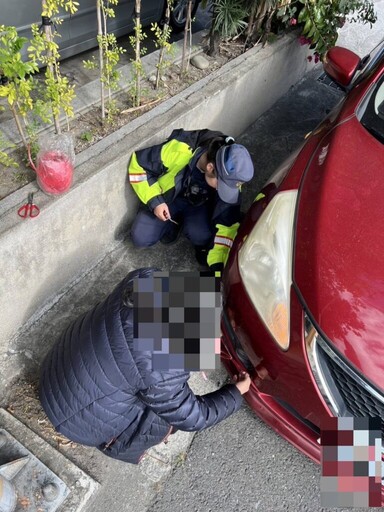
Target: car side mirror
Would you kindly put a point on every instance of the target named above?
(341, 64)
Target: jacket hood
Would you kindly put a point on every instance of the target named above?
(339, 265)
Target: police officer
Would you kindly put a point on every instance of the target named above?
(194, 179)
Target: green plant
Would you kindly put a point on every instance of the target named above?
(228, 20)
(229, 17)
(112, 111)
(137, 65)
(5, 159)
(180, 459)
(58, 93)
(162, 36)
(51, 7)
(321, 19)
(109, 55)
(16, 82)
(86, 136)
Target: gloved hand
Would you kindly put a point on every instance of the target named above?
(217, 267)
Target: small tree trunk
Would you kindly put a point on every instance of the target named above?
(161, 54)
(106, 60)
(261, 14)
(267, 30)
(187, 34)
(214, 38)
(214, 44)
(47, 27)
(137, 52)
(101, 59)
(251, 21)
(19, 127)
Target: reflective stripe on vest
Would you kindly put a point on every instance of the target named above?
(223, 242)
(174, 156)
(136, 178)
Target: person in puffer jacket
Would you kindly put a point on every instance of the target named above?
(98, 390)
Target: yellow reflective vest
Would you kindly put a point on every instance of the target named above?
(157, 174)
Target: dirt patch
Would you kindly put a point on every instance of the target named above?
(87, 129)
(24, 404)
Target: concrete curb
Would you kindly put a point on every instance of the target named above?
(40, 257)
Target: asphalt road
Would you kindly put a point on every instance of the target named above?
(241, 465)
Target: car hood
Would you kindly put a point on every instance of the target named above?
(339, 245)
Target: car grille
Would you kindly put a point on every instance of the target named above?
(354, 395)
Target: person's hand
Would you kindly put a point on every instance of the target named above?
(242, 381)
(162, 212)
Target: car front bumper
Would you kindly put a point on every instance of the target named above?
(284, 420)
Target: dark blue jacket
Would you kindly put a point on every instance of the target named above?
(97, 391)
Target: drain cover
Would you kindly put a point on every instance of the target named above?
(325, 80)
(26, 484)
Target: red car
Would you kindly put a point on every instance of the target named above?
(304, 283)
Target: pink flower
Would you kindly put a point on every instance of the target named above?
(293, 21)
(309, 58)
(304, 40)
(317, 57)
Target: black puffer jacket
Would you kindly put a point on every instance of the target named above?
(97, 391)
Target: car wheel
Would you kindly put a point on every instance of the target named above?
(179, 14)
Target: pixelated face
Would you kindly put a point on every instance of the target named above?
(177, 317)
(352, 467)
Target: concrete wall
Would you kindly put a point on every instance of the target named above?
(40, 257)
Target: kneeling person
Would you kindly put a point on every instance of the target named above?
(113, 381)
(193, 178)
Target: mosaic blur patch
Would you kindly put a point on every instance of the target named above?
(352, 467)
(177, 318)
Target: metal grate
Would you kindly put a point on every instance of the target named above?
(326, 80)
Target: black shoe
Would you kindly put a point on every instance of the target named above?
(201, 254)
(172, 234)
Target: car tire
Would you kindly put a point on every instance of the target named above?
(179, 14)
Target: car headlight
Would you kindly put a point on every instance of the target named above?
(265, 264)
